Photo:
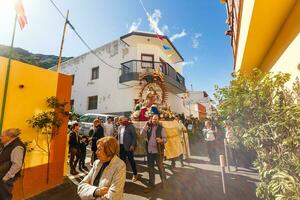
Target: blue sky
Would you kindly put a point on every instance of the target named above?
(199, 25)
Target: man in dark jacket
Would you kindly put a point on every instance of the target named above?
(156, 138)
(127, 140)
(97, 134)
(11, 161)
(74, 141)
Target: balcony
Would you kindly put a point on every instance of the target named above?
(233, 8)
(175, 82)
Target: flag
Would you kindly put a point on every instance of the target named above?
(22, 19)
(160, 37)
(167, 48)
(170, 55)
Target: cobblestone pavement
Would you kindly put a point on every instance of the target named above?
(198, 179)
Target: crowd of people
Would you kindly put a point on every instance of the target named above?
(112, 143)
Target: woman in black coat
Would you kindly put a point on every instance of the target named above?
(98, 133)
(74, 148)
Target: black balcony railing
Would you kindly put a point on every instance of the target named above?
(131, 69)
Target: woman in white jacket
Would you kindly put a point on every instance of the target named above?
(107, 177)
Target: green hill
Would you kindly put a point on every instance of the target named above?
(44, 61)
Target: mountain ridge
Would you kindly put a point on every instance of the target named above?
(23, 55)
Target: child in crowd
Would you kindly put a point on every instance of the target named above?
(84, 141)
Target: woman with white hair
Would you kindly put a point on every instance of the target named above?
(107, 177)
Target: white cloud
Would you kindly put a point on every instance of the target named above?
(178, 35)
(135, 25)
(187, 63)
(195, 40)
(165, 29)
(154, 19)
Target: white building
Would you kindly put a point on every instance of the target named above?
(199, 104)
(99, 88)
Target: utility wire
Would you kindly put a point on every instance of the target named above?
(141, 2)
(81, 39)
(57, 9)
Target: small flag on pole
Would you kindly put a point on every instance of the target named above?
(160, 37)
(22, 19)
(167, 48)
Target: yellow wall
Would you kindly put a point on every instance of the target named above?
(22, 104)
(284, 55)
(245, 24)
(261, 23)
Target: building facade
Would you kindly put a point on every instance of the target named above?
(113, 88)
(265, 35)
(199, 104)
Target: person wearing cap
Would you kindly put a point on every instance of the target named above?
(11, 161)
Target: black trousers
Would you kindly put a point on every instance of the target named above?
(233, 156)
(74, 158)
(153, 158)
(174, 160)
(6, 189)
(130, 155)
(211, 150)
(94, 156)
(82, 158)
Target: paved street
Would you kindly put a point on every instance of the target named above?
(196, 180)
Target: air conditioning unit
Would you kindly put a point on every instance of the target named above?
(91, 83)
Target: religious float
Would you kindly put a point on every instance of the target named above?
(152, 100)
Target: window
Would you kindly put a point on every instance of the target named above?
(147, 61)
(72, 104)
(73, 78)
(92, 102)
(95, 73)
(164, 66)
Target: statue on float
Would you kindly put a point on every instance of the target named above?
(152, 98)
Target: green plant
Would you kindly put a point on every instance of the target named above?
(266, 118)
(73, 116)
(47, 123)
